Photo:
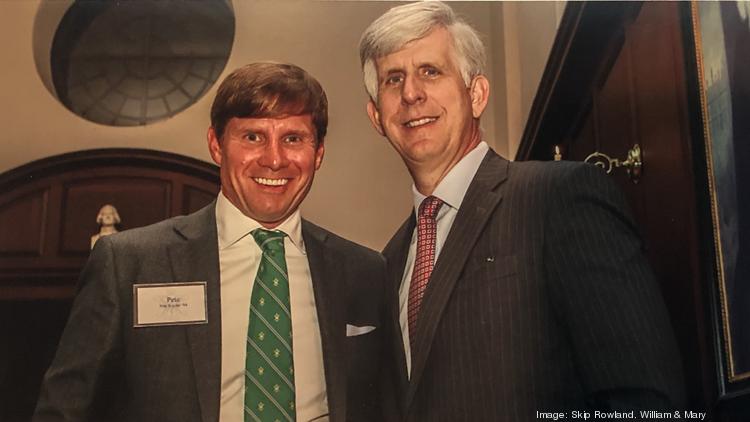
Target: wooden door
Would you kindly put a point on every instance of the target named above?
(616, 78)
(641, 100)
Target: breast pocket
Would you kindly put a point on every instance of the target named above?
(363, 353)
(362, 343)
(484, 268)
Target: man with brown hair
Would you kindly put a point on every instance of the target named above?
(242, 311)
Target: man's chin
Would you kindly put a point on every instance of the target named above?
(421, 154)
(271, 219)
(271, 223)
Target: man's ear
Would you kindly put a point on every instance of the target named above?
(319, 153)
(214, 146)
(374, 114)
(480, 94)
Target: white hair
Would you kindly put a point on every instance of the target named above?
(403, 24)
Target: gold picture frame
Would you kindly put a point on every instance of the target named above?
(720, 30)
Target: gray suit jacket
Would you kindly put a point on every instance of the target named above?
(540, 300)
(106, 370)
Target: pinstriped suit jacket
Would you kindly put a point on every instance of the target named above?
(540, 300)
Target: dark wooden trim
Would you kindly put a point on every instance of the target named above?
(52, 272)
(586, 32)
(131, 157)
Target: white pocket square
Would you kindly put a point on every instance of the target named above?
(353, 330)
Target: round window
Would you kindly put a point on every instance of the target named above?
(136, 62)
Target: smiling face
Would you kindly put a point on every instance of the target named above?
(424, 107)
(267, 164)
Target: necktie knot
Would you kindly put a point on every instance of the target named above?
(269, 240)
(430, 207)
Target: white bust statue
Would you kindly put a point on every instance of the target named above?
(107, 218)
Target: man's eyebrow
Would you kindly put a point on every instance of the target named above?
(419, 65)
(392, 70)
(430, 63)
(401, 69)
(296, 131)
(248, 128)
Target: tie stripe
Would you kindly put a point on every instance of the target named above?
(269, 366)
(270, 398)
(277, 266)
(252, 414)
(265, 242)
(274, 297)
(270, 328)
(273, 365)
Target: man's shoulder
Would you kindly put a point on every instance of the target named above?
(165, 231)
(554, 175)
(547, 169)
(496, 166)
(338, 244)
(156, 232)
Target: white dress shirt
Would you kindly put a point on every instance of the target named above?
(451, 190)
(239, 258)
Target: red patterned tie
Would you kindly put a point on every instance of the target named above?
(420, 276)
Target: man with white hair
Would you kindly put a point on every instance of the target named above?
(519, 289)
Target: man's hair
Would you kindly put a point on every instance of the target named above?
(402, 24)
(270, 90)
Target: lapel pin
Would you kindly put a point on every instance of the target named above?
(490, 259)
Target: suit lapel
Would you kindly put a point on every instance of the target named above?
(328, 289)
(480, 201)
(196, 258)
(396, 253)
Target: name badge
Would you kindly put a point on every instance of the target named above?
(169, 304)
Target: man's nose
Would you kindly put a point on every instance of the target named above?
(412, 90)
(274, 155)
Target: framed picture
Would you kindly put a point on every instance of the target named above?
(722, 46)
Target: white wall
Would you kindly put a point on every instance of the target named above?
(362, 191)
(527, 32)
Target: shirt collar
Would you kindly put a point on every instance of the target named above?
(232, 225)
(452, 189)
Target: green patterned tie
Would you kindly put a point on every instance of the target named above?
(269, 368)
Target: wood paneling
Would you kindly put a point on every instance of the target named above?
(140, 199)
(48, 210)
(624, 85)
(48, 213)
(195, 198)
(23, 239)
(30, 331)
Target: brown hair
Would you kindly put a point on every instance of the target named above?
(263, 90)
